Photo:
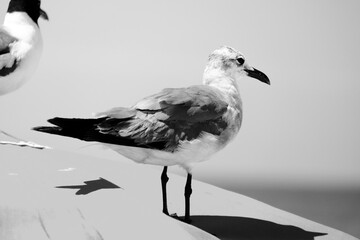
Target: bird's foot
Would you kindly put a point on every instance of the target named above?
(25, 144)
(166, 212)
(182, 219)
(175, 216)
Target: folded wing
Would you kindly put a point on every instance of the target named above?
(161, 121)
(8, 62)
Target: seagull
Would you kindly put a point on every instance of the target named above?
(20, 47)
(177, 126)
(20, 43)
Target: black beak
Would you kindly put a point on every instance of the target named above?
(43, 14)
(254, 73)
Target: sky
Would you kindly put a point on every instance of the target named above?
(302, 131)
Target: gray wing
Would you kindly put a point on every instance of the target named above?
(163, 120)
(7, 63)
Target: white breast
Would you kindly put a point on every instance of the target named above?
(189, 153)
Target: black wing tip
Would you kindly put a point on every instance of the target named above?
(7, 71)
(47, 129)
(83, 129)
(50, 129)
(55, 120)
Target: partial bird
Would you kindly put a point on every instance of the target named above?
(20, 46)
(20, 43)
(177, 126)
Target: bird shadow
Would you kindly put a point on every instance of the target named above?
(91, 186)
(243, 228)
(222, 227)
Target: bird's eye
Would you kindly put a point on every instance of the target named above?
(240, 61)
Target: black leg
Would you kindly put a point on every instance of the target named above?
(164, 180)
(187, 194)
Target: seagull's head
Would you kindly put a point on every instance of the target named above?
(230, 62)
(31, 7)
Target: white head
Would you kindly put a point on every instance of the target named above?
(229, 63)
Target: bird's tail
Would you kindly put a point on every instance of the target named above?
(83, 129)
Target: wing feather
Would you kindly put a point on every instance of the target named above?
(162, 121)
(175, 115)
(8, 63)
